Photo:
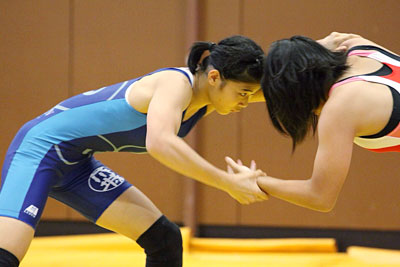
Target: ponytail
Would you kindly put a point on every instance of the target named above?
(198, 56)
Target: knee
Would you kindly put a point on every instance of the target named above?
(162, 243)
(7, 259)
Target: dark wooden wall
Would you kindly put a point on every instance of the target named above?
(51, 50)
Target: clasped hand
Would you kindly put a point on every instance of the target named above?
(242, 184)
(336, 41)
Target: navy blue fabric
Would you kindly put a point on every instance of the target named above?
(53, 153)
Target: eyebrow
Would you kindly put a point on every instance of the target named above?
(250, 91)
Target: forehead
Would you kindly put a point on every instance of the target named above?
(250, 87)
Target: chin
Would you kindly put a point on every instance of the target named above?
(223, 112)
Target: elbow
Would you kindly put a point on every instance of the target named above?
(323, 204)
(322, 198)
(322, 201)
(154, 144)
(157, 144)
(324, 207)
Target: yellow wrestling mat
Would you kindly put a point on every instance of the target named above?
(104, 250)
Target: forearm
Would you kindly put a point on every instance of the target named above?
(298, 192)
(176, 154)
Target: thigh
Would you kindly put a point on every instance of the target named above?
(25, 188)
(131, 214)
(23, 195)
(107, 199)
(15, 236)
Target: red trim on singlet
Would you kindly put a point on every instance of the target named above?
(395, 75)
(353, 79)
(395, 132)
(385, 149)
(363, 53)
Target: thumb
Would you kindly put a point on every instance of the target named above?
(259, 173)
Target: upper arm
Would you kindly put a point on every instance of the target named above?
(336, 131)
(171, 96)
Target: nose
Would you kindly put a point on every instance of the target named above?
(244, 103)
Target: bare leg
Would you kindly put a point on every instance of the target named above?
(131, 214)
(15, 236)
(135, 216)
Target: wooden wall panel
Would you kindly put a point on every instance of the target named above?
(53, 49)
(115, 41)
(34, 67)
(120, 40)
(370, 195)
(219, 135)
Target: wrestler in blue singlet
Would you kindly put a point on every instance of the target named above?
(52, 155)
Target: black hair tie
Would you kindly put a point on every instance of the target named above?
(211, 46)
(259, 62)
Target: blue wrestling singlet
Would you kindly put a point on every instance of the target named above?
(52, 155)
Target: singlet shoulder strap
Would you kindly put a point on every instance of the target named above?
(373, 52)
(347, 80)
(183, 70)
(362, 50)
(188, 74)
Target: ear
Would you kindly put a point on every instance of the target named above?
(214, 77)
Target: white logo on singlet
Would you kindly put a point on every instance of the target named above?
(103, 179)
(31, 211)
(92, 92)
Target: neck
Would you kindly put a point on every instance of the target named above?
(200, 92)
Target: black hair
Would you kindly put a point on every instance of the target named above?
(298, 74)
(237, 58)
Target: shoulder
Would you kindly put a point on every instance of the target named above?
(345, 96)
(345, 107)
(174, 76)
(174, 83)
(170, 85)
(360, 41)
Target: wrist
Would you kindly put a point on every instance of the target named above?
(221, 179)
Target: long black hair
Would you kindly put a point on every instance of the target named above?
(298, 74)
(237, 58)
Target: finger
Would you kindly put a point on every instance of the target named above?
(259, 173)
(262, 173)
(253, 165)
(243, 201)
(230, 170)
(240, 162)
(259, 199)
(341, 48)
(263, 196)
(232, 164)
